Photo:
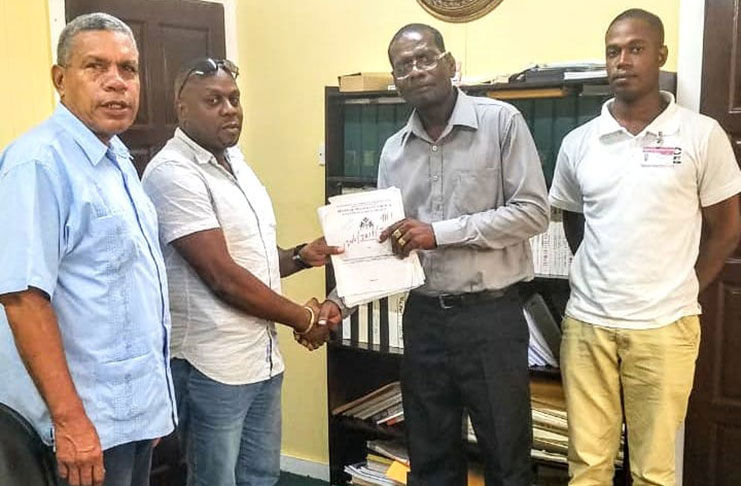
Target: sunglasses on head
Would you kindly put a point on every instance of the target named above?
(207, 67)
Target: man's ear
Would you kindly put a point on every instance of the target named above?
(450, 64)
(663, 55)
(180, 110)
(57, 78)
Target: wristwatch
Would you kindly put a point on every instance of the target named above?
(296, 257)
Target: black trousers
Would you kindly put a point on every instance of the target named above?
(471, 357)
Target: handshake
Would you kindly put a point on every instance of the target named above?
(323, 318)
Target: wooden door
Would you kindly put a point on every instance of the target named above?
(713, 433)
(168, 34)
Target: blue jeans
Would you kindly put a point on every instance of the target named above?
(230, 433)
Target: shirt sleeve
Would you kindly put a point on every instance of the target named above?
(565, 192)
(720, 177)
(525, 210)
(32, 217)
(182, 200)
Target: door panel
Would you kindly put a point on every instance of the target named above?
(713, 433)
(168, 33)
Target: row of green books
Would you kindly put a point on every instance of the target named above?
(550, 119)
(366, 129)
(367, 126)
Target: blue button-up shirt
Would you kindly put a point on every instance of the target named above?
(75, 223)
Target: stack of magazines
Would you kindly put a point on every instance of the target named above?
(381, 406)
(385, 465)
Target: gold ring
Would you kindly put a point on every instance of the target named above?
(396, 234)
(402, 242)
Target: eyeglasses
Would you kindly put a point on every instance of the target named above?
(209, 66)
(426, 62)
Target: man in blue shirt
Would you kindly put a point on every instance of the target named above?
(84, 318)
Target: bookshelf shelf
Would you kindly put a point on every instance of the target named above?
(374, 431)
(368, 348)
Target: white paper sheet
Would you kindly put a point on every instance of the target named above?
(368, 270)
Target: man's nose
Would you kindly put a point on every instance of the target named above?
(227, 108)
(623, 58)
(113, 80)
(415, 70)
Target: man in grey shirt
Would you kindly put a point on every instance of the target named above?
(474, 193)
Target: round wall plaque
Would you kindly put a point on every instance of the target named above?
(459, 10)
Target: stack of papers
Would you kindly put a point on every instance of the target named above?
(545, 335)
(363, 475)
(367, 270)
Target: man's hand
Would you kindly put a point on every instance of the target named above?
(317, 252)
(329, 315)
(318, 334)
(407, 235)
(78, 451)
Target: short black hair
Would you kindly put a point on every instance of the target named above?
(437, 37)
(652, 20)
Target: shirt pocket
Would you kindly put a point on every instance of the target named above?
(111, 243)
(476, 190)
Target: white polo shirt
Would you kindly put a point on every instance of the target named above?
(192, 193)
(641, 197)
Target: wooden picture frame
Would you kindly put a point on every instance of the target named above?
(459, 11)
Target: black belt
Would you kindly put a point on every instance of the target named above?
(452, 301)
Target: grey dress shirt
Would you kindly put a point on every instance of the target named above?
(480, 185)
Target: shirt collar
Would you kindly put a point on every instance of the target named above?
(464, 114)
(202, 155)
(90, 144)
(666, 123)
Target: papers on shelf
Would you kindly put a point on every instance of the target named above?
(367, 270)
(551, 254)
(545, 335)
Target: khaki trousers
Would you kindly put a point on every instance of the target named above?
(653, 371)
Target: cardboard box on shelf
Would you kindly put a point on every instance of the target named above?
(366, 82)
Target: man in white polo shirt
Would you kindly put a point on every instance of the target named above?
(218, 233)
(636, 185)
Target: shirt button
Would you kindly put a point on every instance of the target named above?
(434, 148)
(435, 178)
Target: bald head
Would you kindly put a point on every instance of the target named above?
(653, 21)
(435, 35)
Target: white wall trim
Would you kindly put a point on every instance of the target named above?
(303, 467)
(230, 28)
(689, 88)
(689, 56)
(56, 24)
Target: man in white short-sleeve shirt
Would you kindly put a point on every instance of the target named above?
(218, 233)
(636, 185)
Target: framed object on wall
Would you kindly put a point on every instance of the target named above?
(459, 10)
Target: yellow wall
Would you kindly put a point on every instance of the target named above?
(289, 50)
(26, 92)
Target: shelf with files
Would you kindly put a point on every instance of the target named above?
(356, 127)
(358, 123)
(358, 369)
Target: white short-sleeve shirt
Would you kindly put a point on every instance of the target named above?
(641, 197)
(192, 193)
